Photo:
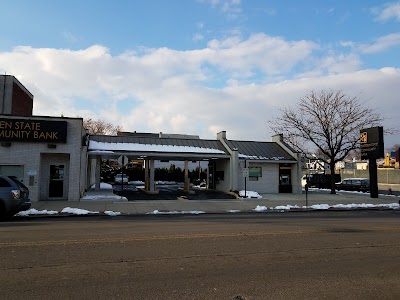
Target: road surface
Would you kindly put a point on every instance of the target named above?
(314, 255)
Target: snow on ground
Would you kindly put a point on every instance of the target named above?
(77, 211)
(112, 213)
(66, 210)
(34, 211)
(261, 208)
(249, 194)
(193, 212)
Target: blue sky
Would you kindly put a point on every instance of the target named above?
(200, 66)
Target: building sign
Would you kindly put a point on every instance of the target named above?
(28, 130)
(371, 143)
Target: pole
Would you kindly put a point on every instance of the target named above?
(122, 188)
(373, 178)
(245, 180)
(306, 188)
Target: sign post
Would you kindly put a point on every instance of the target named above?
(372, 148)
(245, 175)
(123, 161)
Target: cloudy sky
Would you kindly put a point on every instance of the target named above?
(200, 66)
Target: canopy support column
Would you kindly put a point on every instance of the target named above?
(187, 180)
(97, 174)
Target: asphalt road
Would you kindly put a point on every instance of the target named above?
(314, 255)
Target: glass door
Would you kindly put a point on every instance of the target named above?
(56, 185)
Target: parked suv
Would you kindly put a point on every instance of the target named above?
(354, 184)
(14, 196)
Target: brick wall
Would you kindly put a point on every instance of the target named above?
(22, 103)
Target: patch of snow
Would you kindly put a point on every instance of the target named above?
(78, 211)
(112, 213)
(136, 182)
(260, 208)
(193, 212)
(320, 206)
(34, 211)
(249, 194)
(285, 207)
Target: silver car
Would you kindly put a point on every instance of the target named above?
(14, 196)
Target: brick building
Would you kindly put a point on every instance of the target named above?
(48, 154)
(15, 99)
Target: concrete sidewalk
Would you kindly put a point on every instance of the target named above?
(106, 201)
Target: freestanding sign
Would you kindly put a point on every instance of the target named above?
(371, 143)
(372, 147)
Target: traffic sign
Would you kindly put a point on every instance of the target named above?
(123, 160)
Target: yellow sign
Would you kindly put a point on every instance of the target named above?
(363, 137)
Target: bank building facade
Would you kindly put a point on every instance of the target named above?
(57, 159)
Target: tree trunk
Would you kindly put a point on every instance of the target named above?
(333, 186)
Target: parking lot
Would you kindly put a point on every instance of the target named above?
(167, 191)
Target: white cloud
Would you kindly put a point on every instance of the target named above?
(231, 8)
(390, 11)
(200, 91)
(382, 43)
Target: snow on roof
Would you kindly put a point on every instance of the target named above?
(103, 146)
(261, 157)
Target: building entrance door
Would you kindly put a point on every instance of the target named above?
(285, 180)
(56, 184)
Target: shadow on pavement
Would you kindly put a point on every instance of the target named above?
(132, 195)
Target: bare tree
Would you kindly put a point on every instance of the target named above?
(100, 127)
(328, 120)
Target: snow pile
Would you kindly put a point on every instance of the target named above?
(67, 210)
(319, 206)
(261, 208)
(34, 211)
(112, 213)
(286, 207)
(193, 212)
(249, 194)
(77, 211)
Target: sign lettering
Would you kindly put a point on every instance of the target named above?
(371, 143)
(25, 130)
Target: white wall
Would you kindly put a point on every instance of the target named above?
(223, 185)
(267, 183)
(28, 154)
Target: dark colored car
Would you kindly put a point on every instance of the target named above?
(354, 184)
(14, 196)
